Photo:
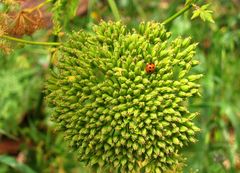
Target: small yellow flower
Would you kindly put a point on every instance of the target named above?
(95, 16)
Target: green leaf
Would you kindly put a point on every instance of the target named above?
(11, 161)
(208, 16)
(204, 7)
(196, 13)
(203, 13)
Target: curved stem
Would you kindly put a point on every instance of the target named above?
(30, 42)
(114, 9)
(179, 13)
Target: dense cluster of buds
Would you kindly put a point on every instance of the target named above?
(116, 115)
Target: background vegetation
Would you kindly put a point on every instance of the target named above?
(28, 141)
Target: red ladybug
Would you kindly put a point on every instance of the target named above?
(150, 68)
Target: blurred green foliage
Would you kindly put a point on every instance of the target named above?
(19, 91)
(24, 118)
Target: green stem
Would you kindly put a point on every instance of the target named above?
(114, 9)
(30, 42)
(179, 13)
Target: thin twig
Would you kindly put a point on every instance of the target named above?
(30, 10)
(30, 42)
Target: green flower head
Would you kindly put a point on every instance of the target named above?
(115, 113)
